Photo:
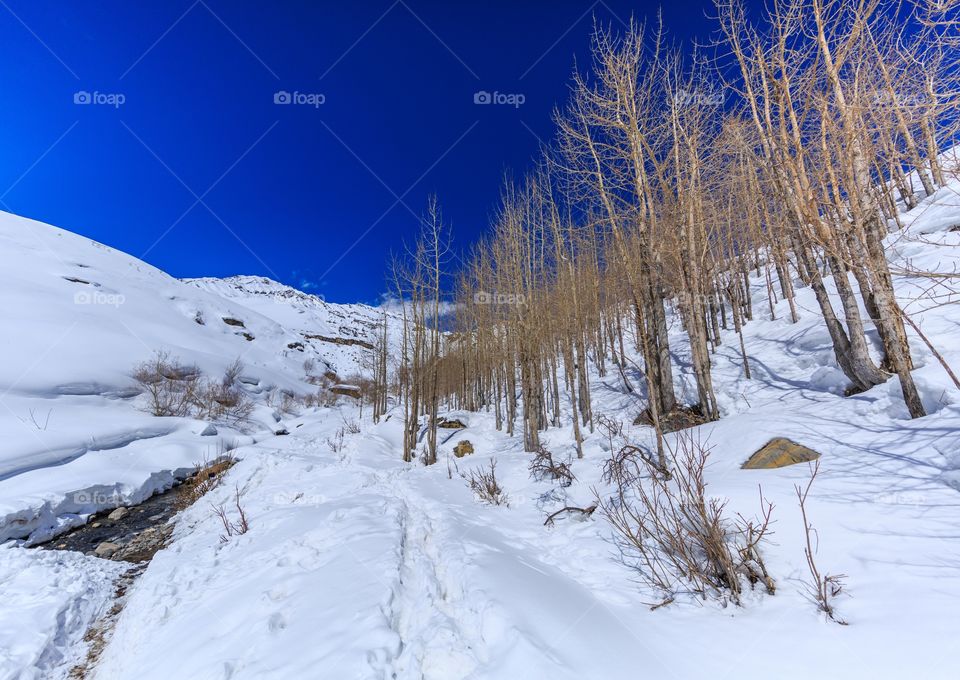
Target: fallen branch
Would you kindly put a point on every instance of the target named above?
(587, 511)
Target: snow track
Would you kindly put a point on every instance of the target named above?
(437, 639)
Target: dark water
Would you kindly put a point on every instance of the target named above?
(142, 531)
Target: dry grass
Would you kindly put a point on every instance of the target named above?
(206, 478)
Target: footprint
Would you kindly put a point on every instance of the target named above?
(277, 594)
(276, 623)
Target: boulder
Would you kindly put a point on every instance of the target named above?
(347, 390)
(117, 514)
(779, 452)
(451, 423)
(463, 448)
(106, 549)
(209, 431)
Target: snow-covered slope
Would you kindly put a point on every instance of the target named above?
(396, 571)
(78, 316)
(357, 565)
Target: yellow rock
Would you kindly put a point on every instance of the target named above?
(780, 452)
(462, 449)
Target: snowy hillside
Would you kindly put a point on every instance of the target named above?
(357, 565)
(335, 334)
(79, 316)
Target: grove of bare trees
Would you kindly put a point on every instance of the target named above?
(784, 152)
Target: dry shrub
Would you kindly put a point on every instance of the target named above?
(233, 372)
(676, 538)
(611, 427)
(219, 401)
(236, 527)
(336, 441)
(821, 588)
(543, 466)
(168, 384)
(483, 482)
(350, 426)
(175, 389)
(630, 464)
(288, 402)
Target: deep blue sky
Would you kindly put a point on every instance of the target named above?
(285, 191)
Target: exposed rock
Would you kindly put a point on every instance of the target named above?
(347, 390)
(780, 452)
(282, 431)
(233, 322)
(340, 341)
(106, 549)
(451, 423)
(119, 513)
(209, 431)
(463, 448)
(680, 418)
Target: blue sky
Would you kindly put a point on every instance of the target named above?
(152, 126)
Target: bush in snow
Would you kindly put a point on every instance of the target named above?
(236, 527)
(483, 482)
(676, 538)
(174, 389)
(168, 384)
(543, 466)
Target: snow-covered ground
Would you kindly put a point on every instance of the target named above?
(357, 565)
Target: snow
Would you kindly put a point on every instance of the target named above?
(76, 436)
(357, 565)
(49, 601)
